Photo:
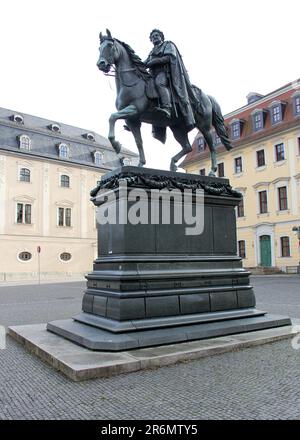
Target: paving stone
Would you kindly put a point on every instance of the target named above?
(253, 383)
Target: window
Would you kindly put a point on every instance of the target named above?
(238, 168)
(285, 246)
(279, 152)
(89, 136)
(24, 175)
(299, 146)
(202, 172)
(18, 119)
(24, 256)
(297, 105)
(263, 202)
(257, 121)
(221, 169)
(25, 142)
(127, 161)
(24, 213)
(242, 248)
(260, 157)
(65, 181)
(63, 150)
(64, 217)
(217, 139)
(201, 144)
(98, 158)
(282, 198)
(276, 114)
(235, 130)
(240, 209)
(65, 256)
(54, 127)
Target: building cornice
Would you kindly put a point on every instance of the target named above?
(260, 101)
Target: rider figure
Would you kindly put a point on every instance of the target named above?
(171, 78)
(158, 64)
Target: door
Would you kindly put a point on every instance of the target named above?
(265, 250)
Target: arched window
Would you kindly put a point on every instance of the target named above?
(24, 175)
(63, 150)
(25, 142)
(54, 127)
(65, 181)
(127, 161)
(98, 158)
(89, 136)
(18, 118)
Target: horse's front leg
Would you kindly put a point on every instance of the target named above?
(135, 128)
(128, 111)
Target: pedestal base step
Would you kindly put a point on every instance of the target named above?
(167, 321)
(79, 363)
(102, 340)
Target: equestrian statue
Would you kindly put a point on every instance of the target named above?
(158, 91)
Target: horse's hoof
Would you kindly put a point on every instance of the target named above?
(173, 167)
(212, 174)
(141, 164)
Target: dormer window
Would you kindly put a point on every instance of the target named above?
(24, 142)
(54, 127)
(89, 136)
(276, 110)
(236, 128)
(296, 104)
(258, 119)
(201, 144)
(98, 158)
(63, 151)
(217, 139)
(17, 118)
(127, 161)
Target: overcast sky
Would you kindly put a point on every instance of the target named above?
(49, 51)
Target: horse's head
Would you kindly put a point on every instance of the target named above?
(107, 51)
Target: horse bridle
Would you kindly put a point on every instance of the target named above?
(111, 63)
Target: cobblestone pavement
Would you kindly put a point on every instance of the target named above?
(257, 383)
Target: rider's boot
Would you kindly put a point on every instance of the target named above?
(166, 110)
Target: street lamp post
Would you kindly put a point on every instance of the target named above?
(296, 230)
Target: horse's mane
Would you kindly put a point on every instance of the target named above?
(138, 63)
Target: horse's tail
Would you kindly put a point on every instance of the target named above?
(218, 123)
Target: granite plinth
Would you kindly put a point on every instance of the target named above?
(153, 283)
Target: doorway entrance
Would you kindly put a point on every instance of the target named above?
(265, 250)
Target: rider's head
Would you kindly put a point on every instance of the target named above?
(156, 33)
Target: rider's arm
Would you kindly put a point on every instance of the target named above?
(157, 61)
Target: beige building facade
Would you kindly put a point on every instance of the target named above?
(47, 222)
(264, 165)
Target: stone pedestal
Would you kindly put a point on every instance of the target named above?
(155, 283)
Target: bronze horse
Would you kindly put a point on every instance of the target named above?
(134, 105)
